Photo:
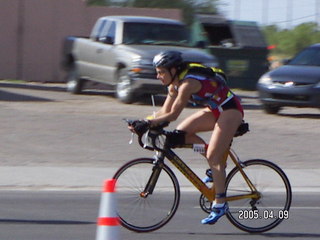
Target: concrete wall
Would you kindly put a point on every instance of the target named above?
(32, 33)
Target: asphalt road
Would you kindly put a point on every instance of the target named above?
(53, 141)
(56, 215)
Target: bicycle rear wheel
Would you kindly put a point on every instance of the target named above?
(141, 213)
(259, 215)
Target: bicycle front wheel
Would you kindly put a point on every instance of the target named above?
(260, 214)
(140, 212)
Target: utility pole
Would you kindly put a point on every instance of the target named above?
(265, 12)
(237, 9)
(317, 8)
(289, 13)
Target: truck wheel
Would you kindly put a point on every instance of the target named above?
(124, 90)
(74, 84)
(271, 109)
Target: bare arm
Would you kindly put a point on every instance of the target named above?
(171, 96)
(175, 103)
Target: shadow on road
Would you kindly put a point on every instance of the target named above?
(15, 97)
(303, 115)
(266, 235)
(41, 87)
(45, 222)
(292, 235)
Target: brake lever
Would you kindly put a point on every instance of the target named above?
(129, 122)
(146, 139)
(131, 139)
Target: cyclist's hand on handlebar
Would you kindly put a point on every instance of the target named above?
(139, 126)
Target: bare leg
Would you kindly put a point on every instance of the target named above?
(223, 132)
(221, 138)
(200, 121)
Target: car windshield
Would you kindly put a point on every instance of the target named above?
(309, 56)
(155, 34)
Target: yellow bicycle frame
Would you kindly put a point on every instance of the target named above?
(209, 193)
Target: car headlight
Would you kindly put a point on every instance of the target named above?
(142, 61)
(317, 85)
(142, 65)
(265, 80)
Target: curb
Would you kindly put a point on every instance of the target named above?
(89, 179)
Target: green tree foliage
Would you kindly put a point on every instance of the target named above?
(187, 8)
(289, 42)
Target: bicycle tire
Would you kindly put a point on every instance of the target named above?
(145, 214)
(273, 206)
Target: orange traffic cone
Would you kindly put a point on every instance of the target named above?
(108, 222)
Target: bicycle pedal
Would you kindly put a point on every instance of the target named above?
(209, 177)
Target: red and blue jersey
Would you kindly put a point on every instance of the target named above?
(214, 91)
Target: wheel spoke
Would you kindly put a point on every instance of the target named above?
(266, 212)
(145, 213)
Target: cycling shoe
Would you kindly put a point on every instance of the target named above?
(209, 177)
(215, 214)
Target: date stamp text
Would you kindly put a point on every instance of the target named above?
(265, 214)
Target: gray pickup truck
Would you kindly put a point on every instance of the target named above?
(119, 53)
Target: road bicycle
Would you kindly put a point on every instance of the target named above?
(258, 191)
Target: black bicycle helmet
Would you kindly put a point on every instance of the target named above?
(168, 59)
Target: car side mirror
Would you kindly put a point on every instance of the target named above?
(285, 61)
(106, 40)
(109, 40)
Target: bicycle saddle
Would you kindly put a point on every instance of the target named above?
(242, 129)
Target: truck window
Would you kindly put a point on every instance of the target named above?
(98, 29)
(248, 34)
(155, 33)
(107, 32)
(218, 34)
(309, 56)
(111, 33)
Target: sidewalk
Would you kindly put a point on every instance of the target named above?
(81, 179)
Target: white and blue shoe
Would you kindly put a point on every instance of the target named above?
(208, 178)
(215, 214)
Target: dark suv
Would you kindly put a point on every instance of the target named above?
(295, 84)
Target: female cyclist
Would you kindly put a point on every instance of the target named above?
(222, 114)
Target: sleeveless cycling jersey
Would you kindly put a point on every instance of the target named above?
(214, 92)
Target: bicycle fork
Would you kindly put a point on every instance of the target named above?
(156, 170)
